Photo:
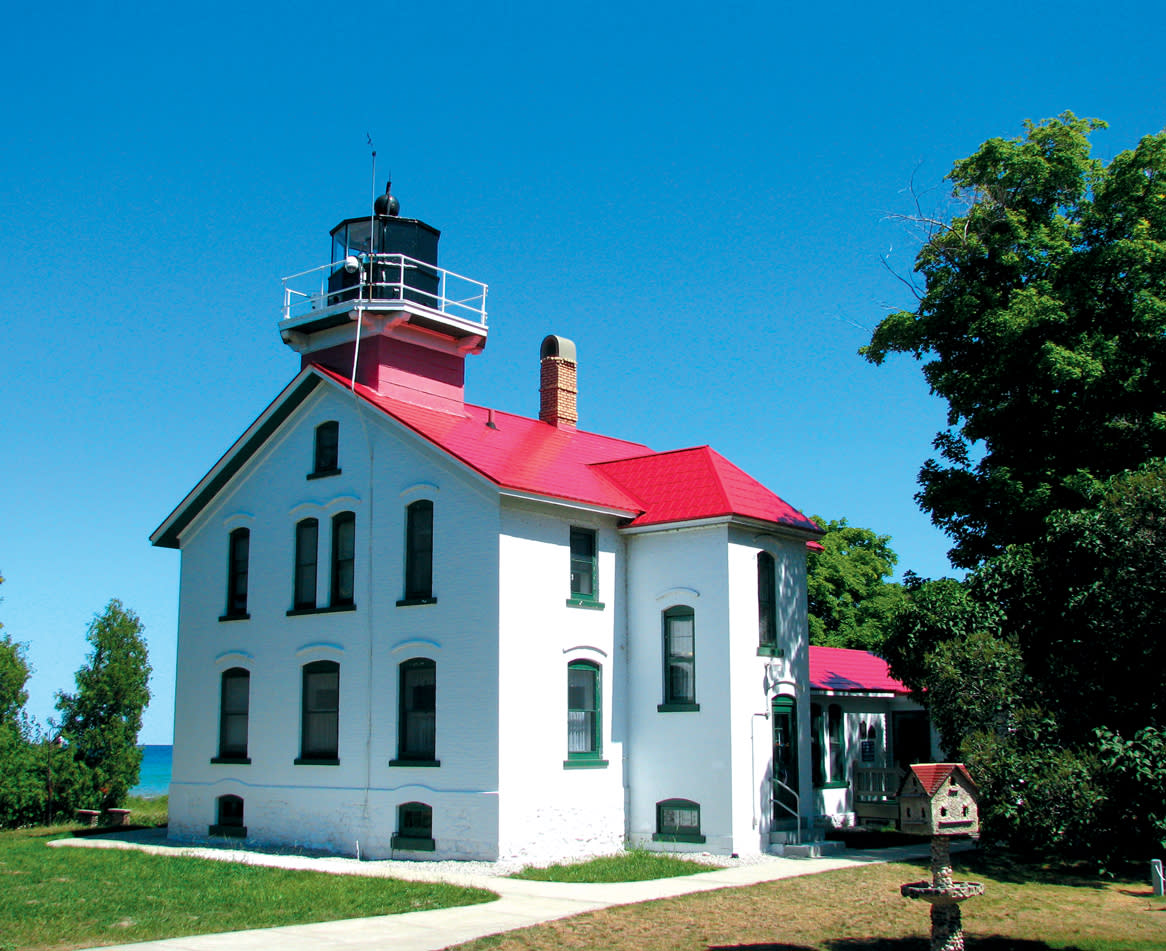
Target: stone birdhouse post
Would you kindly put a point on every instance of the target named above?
(941, 801)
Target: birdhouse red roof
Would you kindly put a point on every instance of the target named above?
(933, 775)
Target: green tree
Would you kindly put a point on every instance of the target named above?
(1042, 318)
(850, 594)
(101, 720)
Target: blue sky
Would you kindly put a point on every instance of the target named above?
(699, 196)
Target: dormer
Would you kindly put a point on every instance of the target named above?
(382, 313)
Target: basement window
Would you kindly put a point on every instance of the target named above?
(678, 820)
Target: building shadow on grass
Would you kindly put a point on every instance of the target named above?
(986, 943)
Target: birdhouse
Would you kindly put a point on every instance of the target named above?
(939, 799)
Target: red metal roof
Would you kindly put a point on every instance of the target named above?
(529, 455)
(839, 668)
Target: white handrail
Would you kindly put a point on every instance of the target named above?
(796, 811)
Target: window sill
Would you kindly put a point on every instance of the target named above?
(296, 612)
(678, 837)
(409, 843)
(229, 832)
(315, 761)
(323, 473)
(588, 603)
(584, 764)
(839, 785)
(236, 617)
(678, 708)
(426, 763)
(410, 602)
(232, 760)
(769, 650)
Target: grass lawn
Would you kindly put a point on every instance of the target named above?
(635, 865)
(1026, 908)
(74, 898)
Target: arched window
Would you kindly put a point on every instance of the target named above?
(584, 714)
(679, 659)
(343, 559)
(307, 542)
(237, 560)
(419, 552)
(229, 817)
(234, 707)
(326, 461)
(678, 820)
(417, 724)
(414, 827)
(766, 601)
(320, 731)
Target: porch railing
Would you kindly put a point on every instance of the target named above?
(795, 810)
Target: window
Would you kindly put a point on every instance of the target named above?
(817, 747)
(678, 820)
(584, 571)
(834, 743)
(766, 603)
(343, 559)
(584, 715)
(234, 704)
(414, 827)
(321, 714)
(417, 726)
(307, 539)
(679, 660)
(229, 817)
(237, 557)
(327, 446)
(419, 553)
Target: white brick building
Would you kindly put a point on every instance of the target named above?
(438, 629)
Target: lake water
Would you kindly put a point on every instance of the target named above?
(154, 779)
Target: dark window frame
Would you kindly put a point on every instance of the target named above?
(311, 712)
(238, 564)
(343, 586)
(411, 713)
(306, 569)
(233, 752)
(228, 818)
(326, 450)
(414, 828)
(419, 553)
(766, 601)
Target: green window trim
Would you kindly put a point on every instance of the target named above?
(584, 551)
(414, 602)
(679, 625)
(410, 843)
(767, 650)
(584, 712)
(840, 784)
(585, 603)
(678, 708)
(677, 820)
(231, 760)
(425, 763)
(581, 762)
(316, 761)
(235, 617)
(328, 609)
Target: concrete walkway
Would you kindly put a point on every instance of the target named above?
(521, 904)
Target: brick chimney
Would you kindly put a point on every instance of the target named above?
(557, 383)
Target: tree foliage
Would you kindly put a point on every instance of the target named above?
(1042, 669)
(1042, 319)
(101, 720)
(850, 594)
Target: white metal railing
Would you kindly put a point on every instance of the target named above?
(373, 278)
(872, 784)
(795, 810)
